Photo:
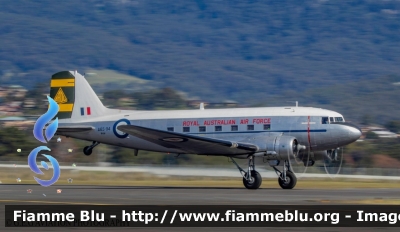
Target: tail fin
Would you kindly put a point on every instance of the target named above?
(75, 97)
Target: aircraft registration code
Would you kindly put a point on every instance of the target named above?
(103, 128)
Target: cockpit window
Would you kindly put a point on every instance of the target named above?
(339, 119)
(332, 120)
(325, 120)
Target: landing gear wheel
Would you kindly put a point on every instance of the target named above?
(254, 182)
(87, 150)
(290, 181)
(309, 163)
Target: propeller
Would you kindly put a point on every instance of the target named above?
(300, 158)
(333, 159)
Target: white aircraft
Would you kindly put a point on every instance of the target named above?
(278, 134)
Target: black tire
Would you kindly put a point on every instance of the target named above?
(291, 180)
(87, 150)
(256, 181)
(309, 163)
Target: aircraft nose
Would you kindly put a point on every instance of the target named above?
(354, 132)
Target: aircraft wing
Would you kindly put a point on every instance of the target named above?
(191, 144)
(65, 129)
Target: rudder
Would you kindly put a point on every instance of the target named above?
(75, 97)
(62, 90)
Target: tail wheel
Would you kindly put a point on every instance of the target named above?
(290, 181)
(87, 150)
(254, 182)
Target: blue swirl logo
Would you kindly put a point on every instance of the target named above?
(49, 132)
(45, 118)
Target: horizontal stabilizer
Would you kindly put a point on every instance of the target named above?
(191, 144)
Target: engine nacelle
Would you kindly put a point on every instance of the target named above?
(281, 148)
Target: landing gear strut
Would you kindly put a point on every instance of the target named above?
(287, 179)
(251, 179)
(88, 149)
(332, 155)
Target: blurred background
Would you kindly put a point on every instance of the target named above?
(155, 54)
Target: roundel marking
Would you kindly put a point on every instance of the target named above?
(119, 133)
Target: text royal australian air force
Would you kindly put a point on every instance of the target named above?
(218, 122)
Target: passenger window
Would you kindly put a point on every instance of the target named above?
(218, 128)
(170, 129)
(202, 129)
(325, 120)
(250, 127)
(234, 128)
(267, 126)
(186, 129)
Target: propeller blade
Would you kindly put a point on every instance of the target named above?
(302, 157)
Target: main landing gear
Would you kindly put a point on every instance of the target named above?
(88, 149)
(286, 179)
(251, 179)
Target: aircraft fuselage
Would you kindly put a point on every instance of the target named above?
(242, 125)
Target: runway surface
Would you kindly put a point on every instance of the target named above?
(99, 195)
(107, 195)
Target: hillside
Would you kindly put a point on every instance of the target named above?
(363, 101)
(253, 52)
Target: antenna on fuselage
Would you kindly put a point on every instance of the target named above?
(297, 103)
(202, 106)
